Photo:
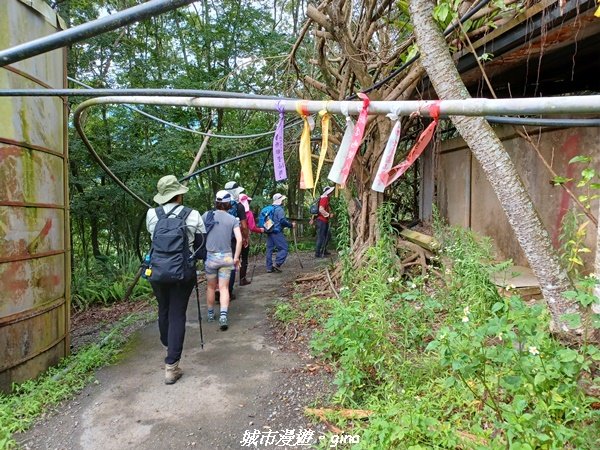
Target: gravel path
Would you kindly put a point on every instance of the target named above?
(244, 390)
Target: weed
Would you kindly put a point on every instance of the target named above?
(285, 313)
(452, 364)
(31, 398)
(106, 282)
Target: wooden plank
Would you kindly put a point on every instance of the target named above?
(422, 240)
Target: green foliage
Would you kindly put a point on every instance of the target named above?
(572, 239)
(584, 296)
(341, 230)
(106, 281)
(450, 363)
(285, 313)
(31, 398)
(574, 224)
(526, 382)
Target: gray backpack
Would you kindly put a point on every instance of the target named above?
(170, 255)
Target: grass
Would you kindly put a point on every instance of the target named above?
(445, 362)
(32, 398)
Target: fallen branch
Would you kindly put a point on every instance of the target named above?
(331, 284)
(309, 278)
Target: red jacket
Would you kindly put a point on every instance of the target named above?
(251, 222)
(324, 205)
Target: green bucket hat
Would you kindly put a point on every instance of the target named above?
(168, 187)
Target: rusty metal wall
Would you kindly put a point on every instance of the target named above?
(34, 237)
(466, 198)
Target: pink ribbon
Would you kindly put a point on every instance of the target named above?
(359, 131)
(422, 141)
(278, 158)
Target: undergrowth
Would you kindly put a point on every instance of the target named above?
(444, 361)
(106, 281)
(30, 399)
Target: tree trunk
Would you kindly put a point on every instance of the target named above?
(496, 164)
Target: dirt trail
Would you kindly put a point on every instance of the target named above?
(240, 382)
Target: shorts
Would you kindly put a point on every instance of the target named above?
(218, 265)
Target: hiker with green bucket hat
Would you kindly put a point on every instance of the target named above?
(175, 231)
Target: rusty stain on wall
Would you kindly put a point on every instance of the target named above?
(34, 259)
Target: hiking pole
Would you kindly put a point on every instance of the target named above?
(199, 314)
(296, 244)
(256, 258)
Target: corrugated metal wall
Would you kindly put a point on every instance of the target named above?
(34, 230)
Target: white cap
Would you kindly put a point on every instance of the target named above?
(278, 199)
(234, 189)
(223, 197)
(328, 190)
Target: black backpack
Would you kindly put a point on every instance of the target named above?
(170, 255)
(200, 251)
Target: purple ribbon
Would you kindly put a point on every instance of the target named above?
(278, 159)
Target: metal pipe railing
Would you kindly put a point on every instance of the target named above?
(89, 29)
(589, 104)
(141, 92)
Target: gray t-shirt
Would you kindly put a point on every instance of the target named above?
(219, 238)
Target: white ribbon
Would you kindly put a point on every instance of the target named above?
(335, 174)
(387, 159)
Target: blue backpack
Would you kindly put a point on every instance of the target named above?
(314, 207)
(233, 209)
(170, 260)
(265, 219)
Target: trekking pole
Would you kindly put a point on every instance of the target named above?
(296, 244)
(199, 314)
(256, 258)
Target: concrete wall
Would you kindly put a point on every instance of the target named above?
(465, 197)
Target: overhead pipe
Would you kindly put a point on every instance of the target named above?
(90, 29)
(138, 92)
(543, 122)
(588, 104)
(166, 92)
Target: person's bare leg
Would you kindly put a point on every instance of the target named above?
(224, 301)
(211, 286)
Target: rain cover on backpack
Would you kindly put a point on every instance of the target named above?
(265, 219)
(170, 256)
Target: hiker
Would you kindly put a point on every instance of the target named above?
(172, 284)
(275, 237)
(220, 259)
(236, 210)
(245, 201)
(322, 223)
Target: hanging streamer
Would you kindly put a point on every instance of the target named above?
(278, 158)
(306, 175)
(325, 117)
(359, 131)
(387, 159)
(335, 172)
(422, 141)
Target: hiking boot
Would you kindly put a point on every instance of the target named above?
(223, 323)
(172, 373)
(277, 269)
(269, 270)
(211, 318)
(244, 282)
